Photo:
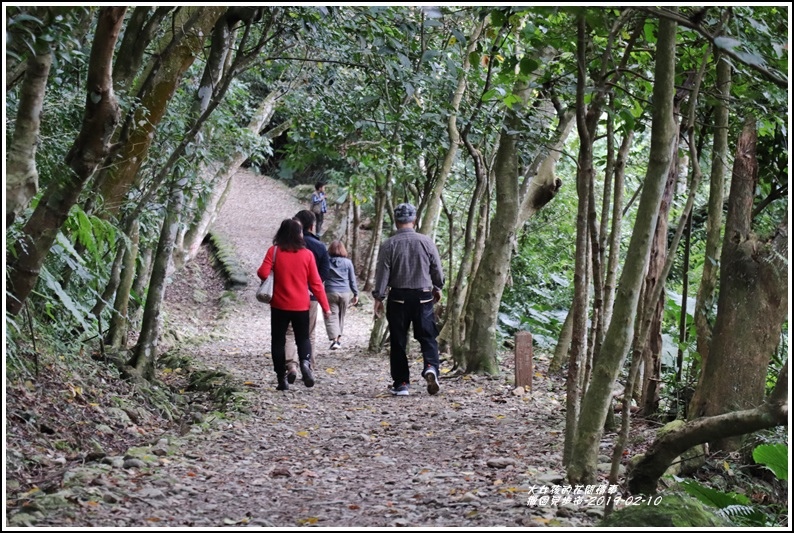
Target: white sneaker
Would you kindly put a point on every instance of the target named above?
(432, 380)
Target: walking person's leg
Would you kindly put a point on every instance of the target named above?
(398, 340)
(300, 324)
(426, 333)
(332, 321)
(279, 321)
(291, 355)
(314, 308)
(344, 303)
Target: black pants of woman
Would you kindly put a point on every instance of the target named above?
(279, 321)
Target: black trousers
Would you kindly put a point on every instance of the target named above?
(279, 321)
(405, 308)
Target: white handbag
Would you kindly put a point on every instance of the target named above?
(265, 292)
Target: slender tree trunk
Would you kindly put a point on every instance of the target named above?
(614, 236)
(563, 343)
(597, 399)
(142, 274)
(87, 152)
(120, 321)
(377, 235)
(584, 178)
(433, 204)
(452, 332)
(706, 296)
(145, 352)
(22, 177)
(354, 248)
(112, 283)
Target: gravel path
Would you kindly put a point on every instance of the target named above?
(344, 453)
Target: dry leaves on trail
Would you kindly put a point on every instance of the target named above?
(343, 453)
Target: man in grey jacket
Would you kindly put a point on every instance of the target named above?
(409, 266)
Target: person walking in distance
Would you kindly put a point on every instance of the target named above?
(409, 266)
(295, 269)
(322, 259)
(319, 206)
(341, 289)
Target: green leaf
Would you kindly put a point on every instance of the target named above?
(712, 497)
(459, 36)
(774, 457)
(628, 119)
(429, 54)
(61, 239)
(76, 311)
(528, 65)
(650, 32)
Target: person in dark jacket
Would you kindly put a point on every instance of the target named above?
(409, 272)
(295, 272)
(323, 260)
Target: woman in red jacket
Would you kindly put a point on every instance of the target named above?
(295, 270)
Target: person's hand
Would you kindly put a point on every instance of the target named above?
(436, 295)
(327, 314)
(354, 301)
(378, 308)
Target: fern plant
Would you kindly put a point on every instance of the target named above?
(737, 507)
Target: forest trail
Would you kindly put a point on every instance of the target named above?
(344, 453)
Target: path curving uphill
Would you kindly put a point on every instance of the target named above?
(344, 453)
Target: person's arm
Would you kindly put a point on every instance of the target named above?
(316, 286)
(267, 264)
(436, 270)
(382, 270)
(351, 278)
(324, 264)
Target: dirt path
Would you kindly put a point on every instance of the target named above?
(344, 453)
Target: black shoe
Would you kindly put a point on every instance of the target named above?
(282, 383)
(306, 372)
(292, 375)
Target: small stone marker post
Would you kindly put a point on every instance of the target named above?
(524, 368)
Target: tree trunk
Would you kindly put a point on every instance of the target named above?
(452, 334)
(433, 204)
(753, 300)
(221, 180)
(377, 235)
(140, 31)
(563, 343)
(488, 285)
(614, 237)
(597, 399)
(706, 297)
(165, 74)
(113, 281)
(87, 153)
(142, 274)
(773, 412)
(120, 320)
(584, 181)
(145, 353)
(22, 177)
(354, 247)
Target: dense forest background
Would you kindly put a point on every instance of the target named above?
(612, 179)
